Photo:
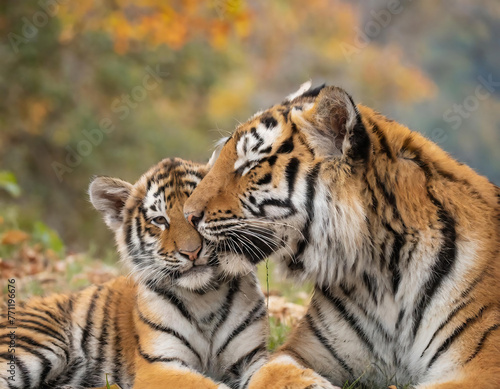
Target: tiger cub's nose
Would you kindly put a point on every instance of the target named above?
(191, 255)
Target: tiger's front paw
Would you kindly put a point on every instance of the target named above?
(285, 373)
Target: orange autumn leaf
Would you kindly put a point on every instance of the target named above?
(14, 237)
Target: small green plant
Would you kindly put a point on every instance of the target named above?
(278, 333)
(47, 237)
(8, 182)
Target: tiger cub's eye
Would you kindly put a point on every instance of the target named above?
(160, 221)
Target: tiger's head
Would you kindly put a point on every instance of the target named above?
(155, 242)
(320, 182)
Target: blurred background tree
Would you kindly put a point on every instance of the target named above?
(166, 78)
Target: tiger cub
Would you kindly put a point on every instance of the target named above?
(179, 319)
(401, 241)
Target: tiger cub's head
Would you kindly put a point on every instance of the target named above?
(155, 241)
(319, 181)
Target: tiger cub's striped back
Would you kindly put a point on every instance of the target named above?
(179, 321)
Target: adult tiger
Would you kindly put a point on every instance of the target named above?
(180, 318)
(401, 241)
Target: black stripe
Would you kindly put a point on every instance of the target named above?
(170, 331)
(399, 241)
(389, 196)
(454, 336)
(46, 330)
(223, 312)
(87, 330)
(191, 184)
(34, 343)
(194, 173)
(267, 150)
(272, 160)
(138, 232)
(384, 145)
(370, 318)
(324, 341)
(245, 384)
(311, 181)
(374, 206)
(429, 170)
(269, 121)
(286, 147)
(172, 298)
(241, 364)
(401, 315)
(26, 313)
(117, 358)
(255, 314)
(50, 314)
(473, 284)
(245, 145)
(442, 267)
(152, 359)
(288, 350)
(348, 317)
(52, 334)
(359, 139)
(312, 92)
(303, 140)
(265, 180)
(45, 362)
(371, 284)
(24, 373)
(284, 112)
(260, 140)
(128, 236)
(480, 345)
(291, 171)
(103, 338)
(451, 315)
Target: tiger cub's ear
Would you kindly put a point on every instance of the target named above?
(108, 195)
(335, 126)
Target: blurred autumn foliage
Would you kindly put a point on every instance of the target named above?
(111, 87)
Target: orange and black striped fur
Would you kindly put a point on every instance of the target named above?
(176, 321)
(401, 241)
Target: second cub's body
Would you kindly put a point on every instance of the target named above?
(180, 321)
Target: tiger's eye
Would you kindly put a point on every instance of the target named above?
(160, 220)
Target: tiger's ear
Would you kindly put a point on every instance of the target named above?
(108, 195)
(335, 127)
(217, 149)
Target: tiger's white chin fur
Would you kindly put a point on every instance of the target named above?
(197, 278)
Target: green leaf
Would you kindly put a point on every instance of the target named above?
(8, 182)
(48, 237)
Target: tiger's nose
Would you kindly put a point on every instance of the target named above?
(191, 255)
(194, 218)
